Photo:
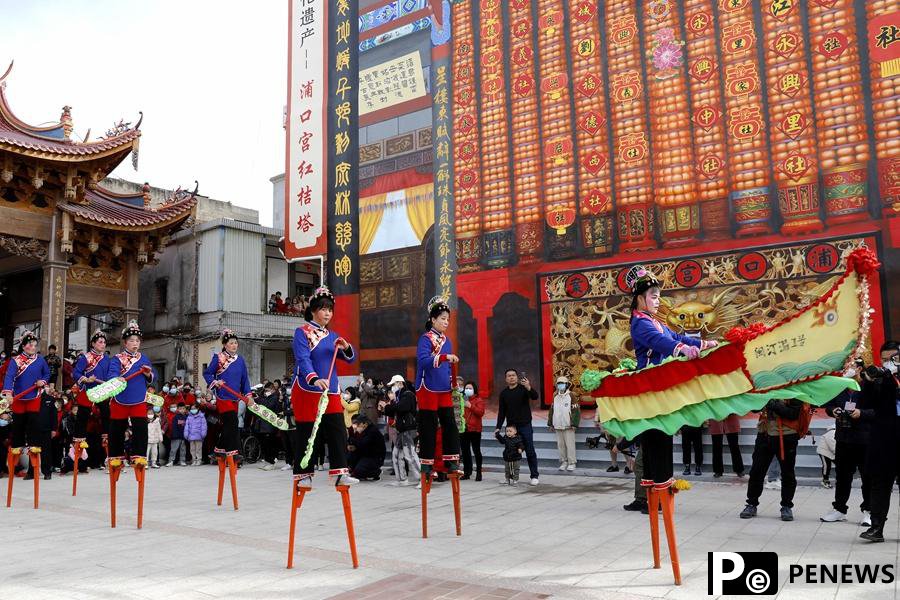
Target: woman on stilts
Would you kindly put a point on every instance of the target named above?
(135, 370)
(654, 342)
(227, 375)
(88, 372)
(434, 385)
(25, 379)
(318, 413)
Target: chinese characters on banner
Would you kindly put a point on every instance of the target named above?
(343, 156)
(391, 82)
(444, 239)
(305, 192)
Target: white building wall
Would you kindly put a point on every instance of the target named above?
(243, 271)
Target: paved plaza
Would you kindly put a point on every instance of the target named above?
(566, 538)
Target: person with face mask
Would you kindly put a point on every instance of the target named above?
(401, 407)
(563, 418)
(5, 427)
(194, 433)
(470, 439)
(351, 404)
(881, 391)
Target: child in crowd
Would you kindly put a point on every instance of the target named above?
(176, 434)
(513, 447)
(154, 436)
(194, 432)
(825, 448)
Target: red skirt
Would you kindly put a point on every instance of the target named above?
(123, 411)
(82, 400)
(20, 407)
(428, 400)
(306, 404)
(224, 406)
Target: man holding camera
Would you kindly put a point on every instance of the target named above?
(880, 389)
(852, 414)
(515, 409)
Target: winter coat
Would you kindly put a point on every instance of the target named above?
(730, 424)
(195, 428)
(474, 414)
(271, 402)
(513, 446)
(351, 407)
(403, 410)
(884, 437)
(564, 403)
(154, 431)
(177, 422)
(825, 444)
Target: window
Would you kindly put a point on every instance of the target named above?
(161, 297)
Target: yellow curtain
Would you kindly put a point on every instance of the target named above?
(371, 210)
(420, 208)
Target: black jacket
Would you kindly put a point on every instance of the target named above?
(847, 430)
(271, 402)
(884, 437)
(369, 444)
(403, 410)
(515, 406)
(511, 446)
(47, 415)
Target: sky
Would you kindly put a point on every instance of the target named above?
(209, 75)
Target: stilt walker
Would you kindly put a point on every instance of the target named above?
(654, 342)
(135, 370)
(227, 375)
(25, 380)
(89, 371)
(316, 401)
(434, 384)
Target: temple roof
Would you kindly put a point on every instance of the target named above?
(53, 142)
(109, 210)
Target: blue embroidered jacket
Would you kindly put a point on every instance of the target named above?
(124, 364)
(432, 368)
(654, 342)
(231, 369)
(313, 349)
(23, 372)
(90, 364)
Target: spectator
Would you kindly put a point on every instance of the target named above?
(368, 400)
(853, 416)
(367, 453)
(777, 438)
(513, 446)
(825, 449)
(154, 436)
(459, 405)
(692, 438)
(176, 435)
(265, 430)
(730, 428)
(187, 395)
(515, 409)
(6, 419)
(470, 440)
(194, 432)
(401, 406)
(279, 303)
(54, 362)
(563, 418)
(68, 366)
(272, 303)
(351, 405)
(880, 393)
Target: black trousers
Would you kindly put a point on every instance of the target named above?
(229, 436)
(269, 444)
(692, 438)
(848, 458)
(48, 457)
(428, 422)
(331, 433)
(104, 416)
(471, 444)
(765, 449)
(26, 428)
(656, 449)
(737, 461)
(287, 440)
(117, 429)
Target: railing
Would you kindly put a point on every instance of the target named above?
(263, 326)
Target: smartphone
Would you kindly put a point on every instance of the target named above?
(522, 375)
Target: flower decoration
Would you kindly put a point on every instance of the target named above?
(666, 53)
(591, 378)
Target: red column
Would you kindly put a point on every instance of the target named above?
(485, 350)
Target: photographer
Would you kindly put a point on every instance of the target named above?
(852, 414)
(880, 392)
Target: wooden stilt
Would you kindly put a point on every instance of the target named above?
(11, 460)
(668, 509)
(232, 476)
(653, 510)
(348, 518)
(140, 471)
(296, 502)
(35, 458)
(457, 507)
(76, 446)
(113, 479)
(221, 461)
(425, 488)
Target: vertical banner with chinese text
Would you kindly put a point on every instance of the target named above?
(305, 155)
(343, 166)
(442, 123)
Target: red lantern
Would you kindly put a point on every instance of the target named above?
(560, 218)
